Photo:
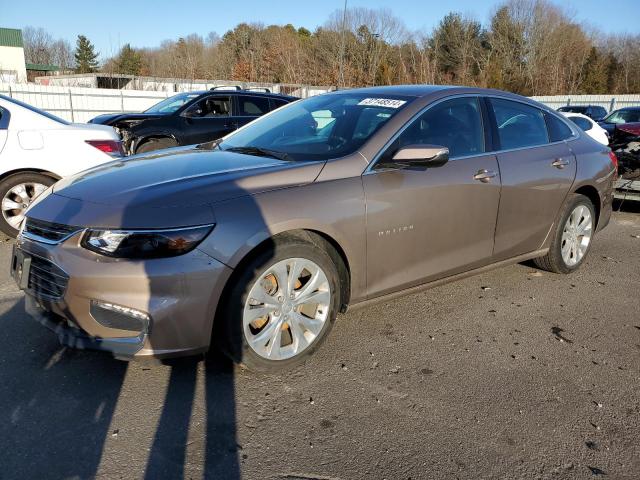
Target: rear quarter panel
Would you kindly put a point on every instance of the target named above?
(594, 169)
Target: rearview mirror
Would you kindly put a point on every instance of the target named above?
(422, 156)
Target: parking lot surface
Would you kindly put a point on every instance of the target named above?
(516, 373)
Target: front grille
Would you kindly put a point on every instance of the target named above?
(48, 231)
(46, 279)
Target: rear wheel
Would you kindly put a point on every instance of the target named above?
(281, 307)
(17, 192)
(572, 236)
(156, 144)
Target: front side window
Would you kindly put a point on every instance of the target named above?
(455, 124)
(318, 128)
(210, 107)
(519, 125)
(253, 106)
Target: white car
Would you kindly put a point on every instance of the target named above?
(592, 129)
(37, 149)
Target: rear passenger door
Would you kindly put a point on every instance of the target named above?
(537, 169)
(250, 107)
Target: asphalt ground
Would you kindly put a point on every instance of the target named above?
(513, 374)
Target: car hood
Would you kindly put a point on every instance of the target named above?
(113, 118)
(171, 188)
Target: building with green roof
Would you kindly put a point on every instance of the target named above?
(12, 64)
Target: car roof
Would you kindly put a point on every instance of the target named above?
(427, 90)
(628, 108)
(242, 92)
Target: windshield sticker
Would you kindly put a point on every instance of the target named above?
(382, 102)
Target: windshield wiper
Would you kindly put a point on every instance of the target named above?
(210, 145)
(260, 152)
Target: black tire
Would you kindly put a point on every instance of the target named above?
(228, 330)
(11, 181)
(156, 144)
(552, 261)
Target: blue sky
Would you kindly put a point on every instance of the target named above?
(145, 23)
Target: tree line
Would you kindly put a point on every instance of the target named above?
(531, 47)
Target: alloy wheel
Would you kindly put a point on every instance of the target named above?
(17, 200)
(286, 309)
(576, 235)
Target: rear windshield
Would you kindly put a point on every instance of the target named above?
(573, 109)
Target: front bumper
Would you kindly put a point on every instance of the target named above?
(178, 297)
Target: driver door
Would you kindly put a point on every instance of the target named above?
(427, 224)
(207, 119)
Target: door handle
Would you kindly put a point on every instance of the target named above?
(560, 163)
(485, 176)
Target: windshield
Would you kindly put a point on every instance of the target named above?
(318, 128)
(172, 104)
(623, 116)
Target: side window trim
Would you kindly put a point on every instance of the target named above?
(371, 167)
(5, 116)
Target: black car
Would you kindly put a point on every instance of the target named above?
(595, 112)
(191, 117)
(620, 117)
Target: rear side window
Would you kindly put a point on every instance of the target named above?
(558, 130)
(519, 125)
(583, 123)
(253, 106)
(277, 103)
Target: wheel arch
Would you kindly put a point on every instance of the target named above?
(313, 236)
(593, 195)
(41, 171)
(142, 139)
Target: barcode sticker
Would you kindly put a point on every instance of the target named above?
(382, 102)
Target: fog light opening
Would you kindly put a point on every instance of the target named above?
(122, 318)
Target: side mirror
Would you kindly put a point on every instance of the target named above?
(421, 156)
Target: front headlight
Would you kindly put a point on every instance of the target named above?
(140, 244)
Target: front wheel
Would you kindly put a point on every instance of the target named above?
(281, 306)
(17, 192)
(572, 236)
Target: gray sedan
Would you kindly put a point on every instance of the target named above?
(257, 241)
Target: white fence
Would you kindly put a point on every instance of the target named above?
(610, 102)
(78, 104)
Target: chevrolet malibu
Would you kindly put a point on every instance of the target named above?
(257, 241)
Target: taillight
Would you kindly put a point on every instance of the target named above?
(614, 160)
(110, 147)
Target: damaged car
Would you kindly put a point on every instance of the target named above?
(191, 117)
(256, 242)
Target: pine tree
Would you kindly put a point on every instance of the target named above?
(129, 61)
(86, 58)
